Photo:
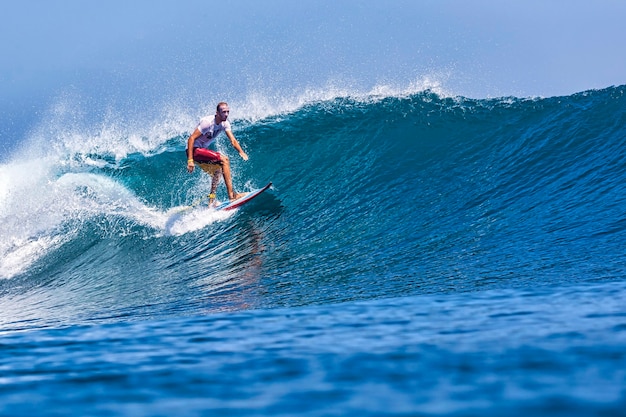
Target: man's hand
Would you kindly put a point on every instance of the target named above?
(190, 166)
(243, 155)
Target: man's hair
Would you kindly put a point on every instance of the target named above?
(221, 103)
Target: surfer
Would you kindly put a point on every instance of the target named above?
(210, 161)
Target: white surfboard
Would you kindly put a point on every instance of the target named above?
(230, 205)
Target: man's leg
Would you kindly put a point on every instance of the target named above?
(215, 171)
(215, 180)
(232, 195)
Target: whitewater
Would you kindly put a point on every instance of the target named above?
(420, 253)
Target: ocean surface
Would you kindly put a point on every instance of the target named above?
(418, 255)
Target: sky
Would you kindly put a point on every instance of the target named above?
(194, 50)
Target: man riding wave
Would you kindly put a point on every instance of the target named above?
(211, 161)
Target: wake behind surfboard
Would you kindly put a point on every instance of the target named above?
(182, 219)
(230, 205)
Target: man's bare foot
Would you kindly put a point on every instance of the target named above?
(238, 196)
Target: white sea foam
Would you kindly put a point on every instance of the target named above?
(258, 105)
(29, 211)
(40, 212)
(181, 220)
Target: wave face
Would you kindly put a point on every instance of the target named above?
(375, 198)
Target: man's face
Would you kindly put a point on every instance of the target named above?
(223, 112)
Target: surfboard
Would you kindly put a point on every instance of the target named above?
(230, 205)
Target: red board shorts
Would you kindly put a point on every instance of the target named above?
(206, 156)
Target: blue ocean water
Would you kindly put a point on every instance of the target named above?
(419, 254)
